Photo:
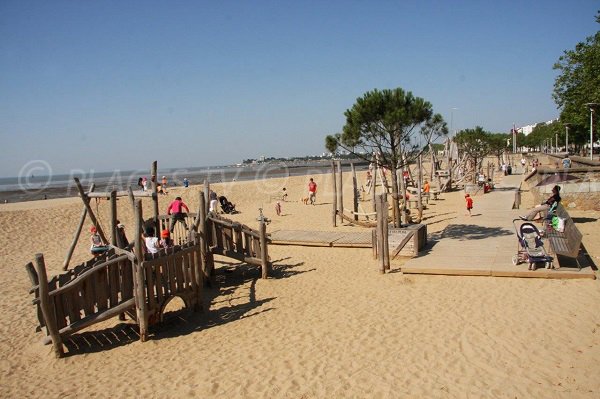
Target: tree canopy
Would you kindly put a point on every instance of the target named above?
(393, 124)
(577, 84)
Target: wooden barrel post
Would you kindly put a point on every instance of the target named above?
(341, 188)
(154, 173)
(354, 191)
(139, 281)
(334, 211)
(264, 254)
(47, 306)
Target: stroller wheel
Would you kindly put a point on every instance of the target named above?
(515, 260)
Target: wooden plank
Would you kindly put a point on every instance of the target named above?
(113, 283)
(178, 262)
(93, 319)
(60, 315)
(150, 294)
(172, 275)
(126, 267)
(402, 244)
(102, 290)
(159, 270)
(75, 306)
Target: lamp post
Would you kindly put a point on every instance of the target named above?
(556, 144)
(592, 107)
(452, 120)
(567, 137)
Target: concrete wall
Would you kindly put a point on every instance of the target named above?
(583, 193)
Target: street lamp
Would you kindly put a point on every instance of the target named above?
(567, 137)
(592, 107)
(452, 120)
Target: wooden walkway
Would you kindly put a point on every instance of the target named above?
(483, 245)
(309, 238)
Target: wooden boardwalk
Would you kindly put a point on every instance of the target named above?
(360, 239)
(483, 245)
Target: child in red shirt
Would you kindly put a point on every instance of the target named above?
(469, 203)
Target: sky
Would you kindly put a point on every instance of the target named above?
(106, 85)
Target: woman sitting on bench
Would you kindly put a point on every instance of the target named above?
(545, 206)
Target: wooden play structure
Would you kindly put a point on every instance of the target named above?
(127, 281)
(416, 200)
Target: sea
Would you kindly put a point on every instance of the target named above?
(33, 187)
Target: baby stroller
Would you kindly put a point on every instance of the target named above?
(531, 247)
(227, 206)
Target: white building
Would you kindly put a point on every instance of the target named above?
(529, 128)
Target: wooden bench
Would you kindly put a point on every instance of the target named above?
(567, 242)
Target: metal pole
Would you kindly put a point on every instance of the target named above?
(567, 138)
(592, 133)
(592, 107)
(556, 143)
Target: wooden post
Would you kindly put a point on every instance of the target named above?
(206, 195)
(380, 235)
(402, 196)
(419, 185)
(341, 187)
(86, 203)
(386, 244)
(154, 182)
(200, 227)
(333, 176)
(47, 306)
(77, 233)
(139, 281)
(374, 179)
(113, 218)
(264, 255)
(448, 164)
(355, 191)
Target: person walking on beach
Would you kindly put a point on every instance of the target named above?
(312, 191)
(164, 184)
(469, 202)
(144, 184)
(278, 208)
(175, 209)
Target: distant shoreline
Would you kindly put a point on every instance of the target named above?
(106, 181)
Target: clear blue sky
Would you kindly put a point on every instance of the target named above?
(109, 85)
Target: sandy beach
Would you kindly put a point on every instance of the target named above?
(325, 325)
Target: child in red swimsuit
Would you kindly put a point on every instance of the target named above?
(469, 201)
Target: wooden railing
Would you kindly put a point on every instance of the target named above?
(71, 301)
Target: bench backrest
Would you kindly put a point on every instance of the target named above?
(571, 233)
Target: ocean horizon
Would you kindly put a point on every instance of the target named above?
(32, 187)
